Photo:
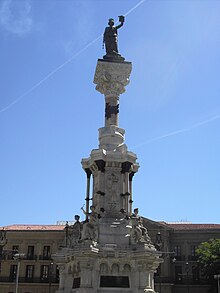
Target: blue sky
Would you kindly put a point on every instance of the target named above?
(50, 111)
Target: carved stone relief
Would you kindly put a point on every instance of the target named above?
(111, 78)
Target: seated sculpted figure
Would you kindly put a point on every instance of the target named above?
(73, 233)
(139, 232)
(136, 231)
(90, 227)
(144, 234)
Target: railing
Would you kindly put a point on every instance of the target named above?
(191, 281)
(27, 257)
(180, 257)
(159, 279)
(29, 280)
(30, 257)
(192, 257)
(44, 257)
(181, 280)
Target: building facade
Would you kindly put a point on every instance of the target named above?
(27, 253)
(38, 272)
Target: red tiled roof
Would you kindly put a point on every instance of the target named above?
(175, 226)
(33, 228)
(189, 226)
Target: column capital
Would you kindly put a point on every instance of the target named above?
(112, 77)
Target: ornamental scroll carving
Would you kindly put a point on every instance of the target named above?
(111, 78)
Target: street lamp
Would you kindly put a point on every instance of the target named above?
(187, 275)
(217, 277)
(165, 255)
(50, 275)
(18, 257)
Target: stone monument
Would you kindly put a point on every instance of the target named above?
(110, 251)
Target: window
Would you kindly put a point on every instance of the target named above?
(57, 273)
(30, 252)
(193, 252)
(44, 273)
(46, 252)
(177, 250)
(76, 283)
(15, 248)
(29, 272)
(13, 272)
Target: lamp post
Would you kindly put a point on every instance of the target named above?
(18, 257)
(50, 275)
(187, 276)
(217, 277)
(165, 254)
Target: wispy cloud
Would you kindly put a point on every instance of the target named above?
(74, 56)
(82, 13)
(179, 131)
(15, 16)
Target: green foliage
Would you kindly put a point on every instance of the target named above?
(209, 258)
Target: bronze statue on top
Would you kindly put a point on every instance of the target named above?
(110, 39)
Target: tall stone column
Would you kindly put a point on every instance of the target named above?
(111, 79)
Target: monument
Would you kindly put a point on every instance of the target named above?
(110, 251)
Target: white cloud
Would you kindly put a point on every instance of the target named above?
(82, 14)
(15, 16)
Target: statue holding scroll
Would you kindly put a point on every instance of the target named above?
(110, 39)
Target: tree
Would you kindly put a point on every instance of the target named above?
(208, 254)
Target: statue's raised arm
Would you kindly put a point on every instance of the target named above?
(110, 39)
(121, 18)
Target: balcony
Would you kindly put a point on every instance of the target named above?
(192, 258)
(180, 257)
(30, 257)
(44, 257)
(166, 280)
(29, 280)
(26, 257)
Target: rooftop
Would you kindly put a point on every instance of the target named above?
(174, 225)
(190, 226)
(21, 227)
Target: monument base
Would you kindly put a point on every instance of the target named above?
(116, 57)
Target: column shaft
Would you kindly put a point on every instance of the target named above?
(88, 173)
